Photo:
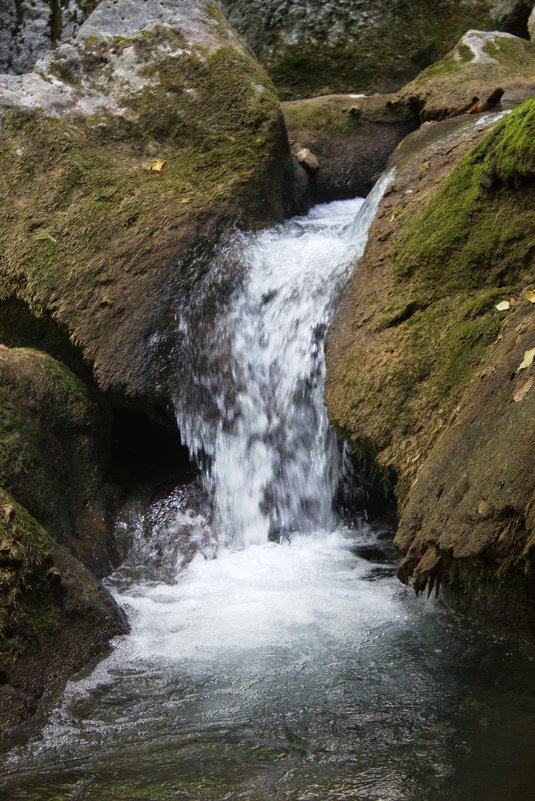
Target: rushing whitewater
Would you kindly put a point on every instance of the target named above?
(278, 672)
(272, 463)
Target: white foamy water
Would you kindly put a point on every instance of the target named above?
(272, 462)
(290, 671)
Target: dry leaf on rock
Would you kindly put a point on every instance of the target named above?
(44, 236)
(156, 165)
(530, 295)
(529, 357)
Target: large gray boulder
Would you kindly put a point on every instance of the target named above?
(128, 153)
(319, 47)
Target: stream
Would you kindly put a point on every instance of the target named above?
(268, 659)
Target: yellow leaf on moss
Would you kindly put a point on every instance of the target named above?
(530, 295)
(504, 305)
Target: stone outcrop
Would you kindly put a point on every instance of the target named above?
(54, 616)
(351, 136)
(479, 64)
(325, 47)
(91, 232)
(29, 28)
(424, 371)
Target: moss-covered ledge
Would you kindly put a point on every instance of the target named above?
(424, 366)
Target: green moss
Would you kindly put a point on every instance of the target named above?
(45, 411)
(478, 228)
(215, 120)
(28, 578)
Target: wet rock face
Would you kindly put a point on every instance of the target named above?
(29, 28)
(350, 137)
(323, 47)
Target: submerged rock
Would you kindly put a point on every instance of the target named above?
(423, 369)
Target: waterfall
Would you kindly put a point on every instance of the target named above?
(254, 416)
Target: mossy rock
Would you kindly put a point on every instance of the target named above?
(53, 614)
(322, 48)
(53, 450)
(90, 234)
(422, 364)
(480, 63)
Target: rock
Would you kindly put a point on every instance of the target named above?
(531, 24)
(53, 438)
(307, 159)
(29, 28)
(322, 47)
(352, 148)
(436, 264)
(125, 248)
(483, 69)
(54, 616)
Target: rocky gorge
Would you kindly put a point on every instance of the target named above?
(137, 142)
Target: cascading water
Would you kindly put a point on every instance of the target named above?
(272, 463)
(276, 672)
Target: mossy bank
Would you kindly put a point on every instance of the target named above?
(423, 369)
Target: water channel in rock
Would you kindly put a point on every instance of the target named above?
(267, 660)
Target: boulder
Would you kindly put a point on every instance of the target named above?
(54, 616)
(424, 372)
(91, 238)
(322, 47)
(531, 24)
(484, 67)
(54, 434)
(29, 28)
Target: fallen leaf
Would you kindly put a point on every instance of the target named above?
(504, 305)
(529, 356)
(523, 390)
(530, 295)
(44, 236)
(157, 165)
